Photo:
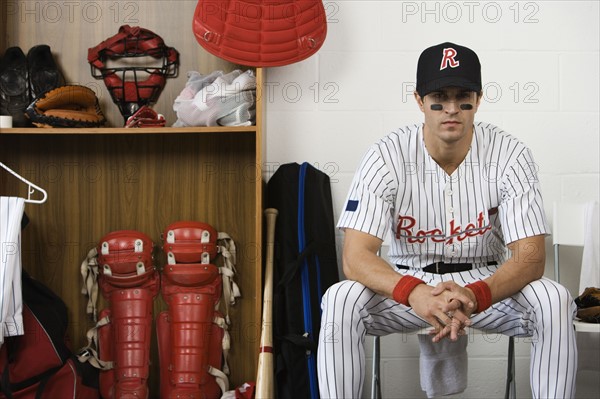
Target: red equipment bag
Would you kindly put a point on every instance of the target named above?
(40, 364)
(260, 33)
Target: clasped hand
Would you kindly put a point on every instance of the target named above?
(447, 307)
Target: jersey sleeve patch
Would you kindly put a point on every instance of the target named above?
(352, 205)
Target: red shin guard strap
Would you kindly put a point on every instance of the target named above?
(404, 288)
(483, 295)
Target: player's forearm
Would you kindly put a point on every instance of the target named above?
(526, 264)
(362, 263)
(370, 270)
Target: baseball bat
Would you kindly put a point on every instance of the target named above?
(265, 384)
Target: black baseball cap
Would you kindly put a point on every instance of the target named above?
(448, 64)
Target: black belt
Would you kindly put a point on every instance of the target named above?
(443, 268)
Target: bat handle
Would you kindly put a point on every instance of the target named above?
(271, 213)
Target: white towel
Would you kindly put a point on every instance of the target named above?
(443, 365)
(11, 305)
(217, 99)
(590, 263)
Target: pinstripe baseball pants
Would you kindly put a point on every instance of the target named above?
(542, 310)
(11, 304)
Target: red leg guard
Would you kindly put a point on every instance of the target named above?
(125, 341)
(132, 329)
(189, 340)
(163, 337)
(129, 283)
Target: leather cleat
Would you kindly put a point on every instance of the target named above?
(44, 74)
(14, 86)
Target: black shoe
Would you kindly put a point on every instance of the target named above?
(43, 72)
(14, 86)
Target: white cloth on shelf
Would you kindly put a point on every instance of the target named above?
(11, 305)
(217, 99)
(590, 263)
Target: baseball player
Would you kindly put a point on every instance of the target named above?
(462, 204)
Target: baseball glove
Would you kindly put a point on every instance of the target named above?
(66, 106)
(588, 305)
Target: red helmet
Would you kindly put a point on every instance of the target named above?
(132, 85)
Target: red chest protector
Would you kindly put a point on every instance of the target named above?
(260, 33)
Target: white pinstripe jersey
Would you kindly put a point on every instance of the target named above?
(491, 199)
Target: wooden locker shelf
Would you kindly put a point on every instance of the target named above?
(104, 179)
(120, 131)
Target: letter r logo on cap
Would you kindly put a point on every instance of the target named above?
(448, 59)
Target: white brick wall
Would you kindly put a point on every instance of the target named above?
(541, 79)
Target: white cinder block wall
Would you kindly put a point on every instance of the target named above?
(540, 66)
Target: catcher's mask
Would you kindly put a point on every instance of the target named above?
(132, 85)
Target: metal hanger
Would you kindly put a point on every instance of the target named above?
(31, 187)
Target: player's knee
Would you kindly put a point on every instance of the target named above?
(560, 295)
(557, 298)
(344, 295)
(564, 294)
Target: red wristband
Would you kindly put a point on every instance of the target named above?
(404, 287)
(483, 295)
